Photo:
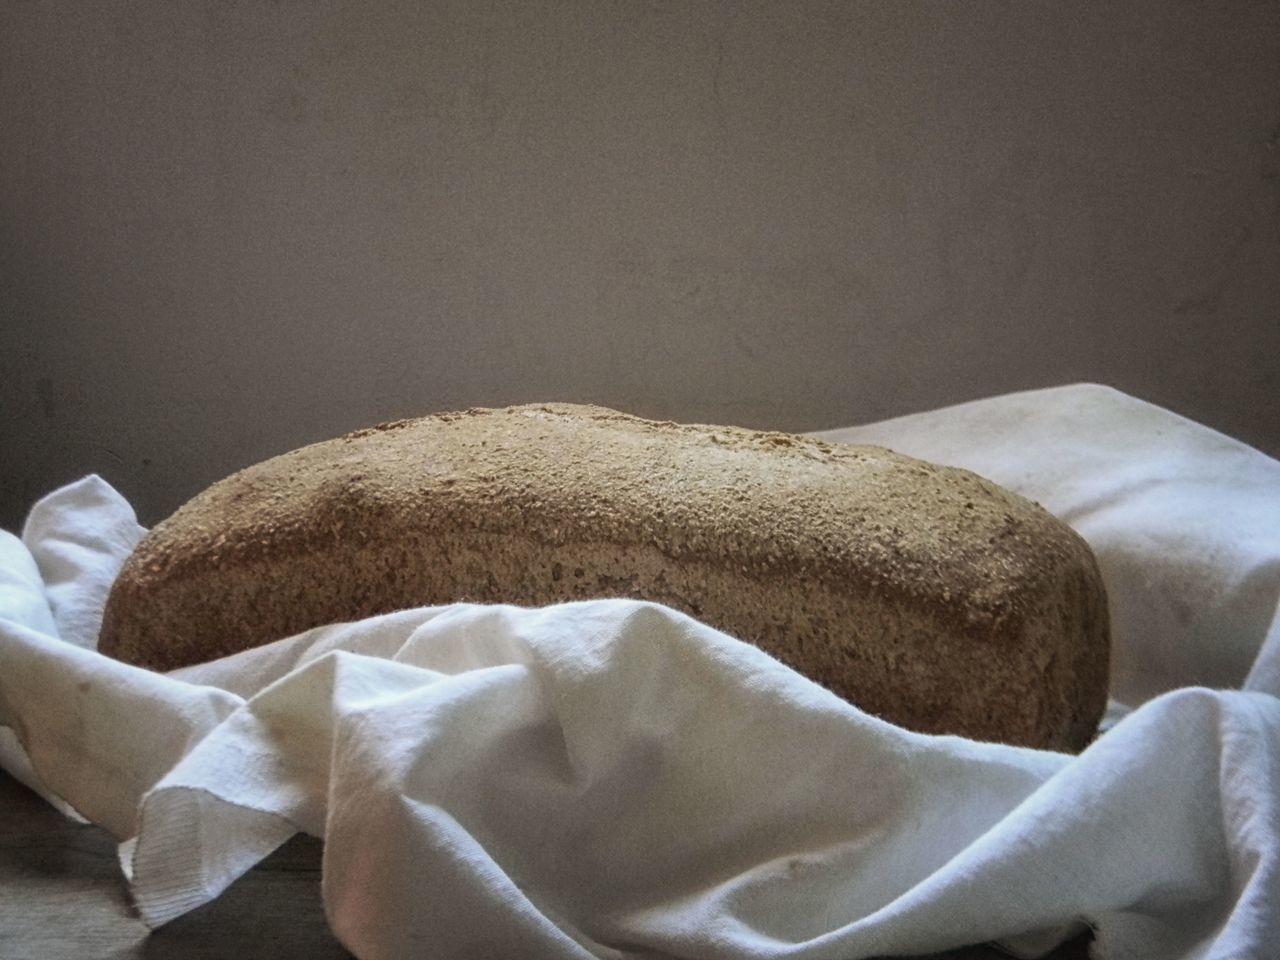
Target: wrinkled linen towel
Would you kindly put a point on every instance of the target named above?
(615, 779)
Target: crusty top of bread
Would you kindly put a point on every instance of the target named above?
(904, 517)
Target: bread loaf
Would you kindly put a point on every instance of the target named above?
(926, 595)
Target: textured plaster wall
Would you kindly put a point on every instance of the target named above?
(227, 229)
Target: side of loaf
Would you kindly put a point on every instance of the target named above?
(926, 595)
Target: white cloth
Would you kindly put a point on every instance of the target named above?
(614, 779)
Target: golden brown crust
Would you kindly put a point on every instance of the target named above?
(925, 594)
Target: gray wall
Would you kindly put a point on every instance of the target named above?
(231, 228)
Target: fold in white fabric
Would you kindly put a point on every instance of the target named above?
(615, 779)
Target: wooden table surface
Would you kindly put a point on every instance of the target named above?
(63, 897)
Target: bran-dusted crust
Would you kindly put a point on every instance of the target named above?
(923, 594)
